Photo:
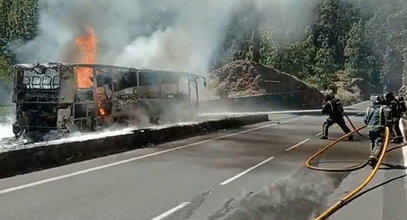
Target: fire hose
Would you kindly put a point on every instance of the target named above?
(346, 199)
(353, 126)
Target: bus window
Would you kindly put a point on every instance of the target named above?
(149, 78)
(26, 82)
(46, 82)
(36, 82)
(55, 82)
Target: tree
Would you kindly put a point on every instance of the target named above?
(256, 38)
(5, 68)
(21, 20)
(387, 31)
(335, 21)
(374, 74)
(325, 66)
(356, 39)
(18, 21)
(391, 77)
(296, 59)
(356, 52)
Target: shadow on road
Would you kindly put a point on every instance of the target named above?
(393, 167)
(375, 187)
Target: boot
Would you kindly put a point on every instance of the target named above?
(374, 156)
(398, 140)
(350, 138)
(373, 162)
(323, 137)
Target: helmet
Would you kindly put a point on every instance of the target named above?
(400, 97)
(390, 96)
(379, 100)
(329, 96)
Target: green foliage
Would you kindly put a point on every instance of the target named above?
(332, 27)
(392, 69)
(294, 59)
(356, 51)
(325, 65)
(20, 18)
(18, 21)
(5, 68)
(364, 39)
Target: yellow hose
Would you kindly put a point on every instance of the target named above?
(346, 198)
(358, 166)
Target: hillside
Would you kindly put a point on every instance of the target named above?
(246, 78)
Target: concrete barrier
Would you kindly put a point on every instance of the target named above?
(47, 156)
(296, 100)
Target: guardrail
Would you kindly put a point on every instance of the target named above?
(276, 101)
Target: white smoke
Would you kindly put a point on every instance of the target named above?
(179, 35)
(188, 45)
(6, 130)
(6, 127)
(301, 196)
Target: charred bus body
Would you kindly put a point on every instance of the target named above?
(64, 98)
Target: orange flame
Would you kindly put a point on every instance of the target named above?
(102, 111)
(87, 44)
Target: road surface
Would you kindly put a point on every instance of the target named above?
(255, 172)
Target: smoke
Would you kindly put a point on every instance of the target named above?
(188, 44)
(6, 128)
(5, 92)
(301, 196)
(287, 19)
(179, 35)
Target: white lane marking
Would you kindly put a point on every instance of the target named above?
(297, 145)
(12, 189)
(246, 171)
(169, 212)
(318, 134)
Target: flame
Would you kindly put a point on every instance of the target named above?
(102, 111)
(87, 44)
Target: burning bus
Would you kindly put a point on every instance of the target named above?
(63, 98)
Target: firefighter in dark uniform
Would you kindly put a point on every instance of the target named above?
(402, 105)
(393, 105)
(377, 118)
(333, 107)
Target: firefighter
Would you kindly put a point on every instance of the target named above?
(402, 105)
(393, 105)
(333, 107)
(377, 118)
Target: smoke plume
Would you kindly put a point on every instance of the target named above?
(180, 35)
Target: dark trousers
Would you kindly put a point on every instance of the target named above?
(376, 139)
(334, 120)
(395, 130)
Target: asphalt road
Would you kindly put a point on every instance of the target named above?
(255, 172)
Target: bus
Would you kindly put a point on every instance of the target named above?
(61, 98)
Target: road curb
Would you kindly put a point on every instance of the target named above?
(42, 157)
